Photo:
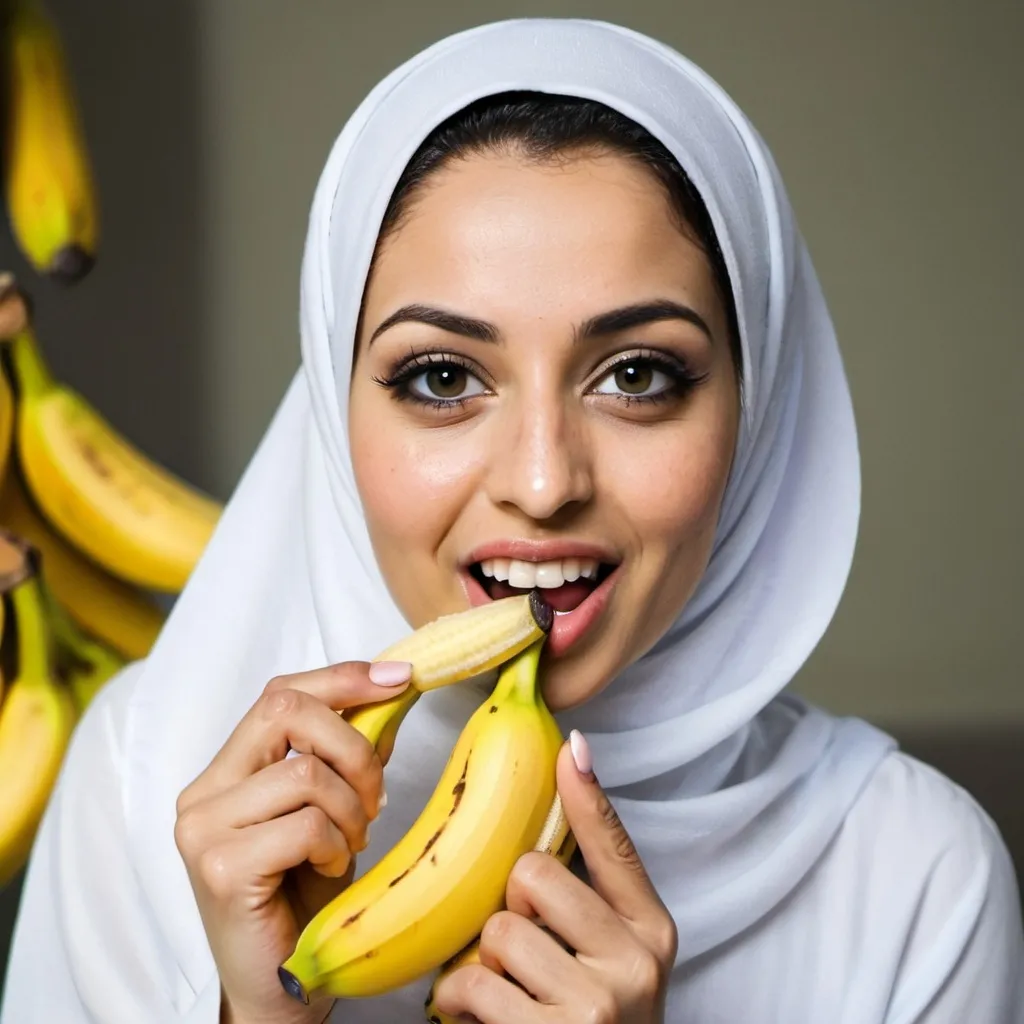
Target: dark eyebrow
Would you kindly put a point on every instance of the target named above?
(627, 317)
(612, 322)
(455, 323)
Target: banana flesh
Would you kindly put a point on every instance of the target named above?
(128, 514)
(48, 179)
(448, 650)
(430, 895)
(37, 716)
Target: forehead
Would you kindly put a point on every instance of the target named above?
(499, 228)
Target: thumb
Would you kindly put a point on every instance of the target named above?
(613, 863)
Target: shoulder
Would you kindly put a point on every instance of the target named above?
(905, 792)
(911, 811)
(917, 830)
(934, 885)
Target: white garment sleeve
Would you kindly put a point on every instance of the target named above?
(84, 950)
(965, 960)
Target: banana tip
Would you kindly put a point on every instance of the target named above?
(71, 264)
(292, 985)
(543, 613)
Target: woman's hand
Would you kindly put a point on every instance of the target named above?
(269, 839)
(623, 937)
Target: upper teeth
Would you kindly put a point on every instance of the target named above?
(528, 575)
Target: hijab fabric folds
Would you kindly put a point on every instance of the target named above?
(730, 789)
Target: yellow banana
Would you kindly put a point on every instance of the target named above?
(448, 650)
(114, 612)
(130, 515)
(557, 840)
(83, 664)
(432, 892)
(37, 716)
(49, 186)
(13, 317)
(6, 423)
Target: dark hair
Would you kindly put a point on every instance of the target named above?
(546, 127)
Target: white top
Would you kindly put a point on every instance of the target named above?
(911, 917)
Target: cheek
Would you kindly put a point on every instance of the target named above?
(412, 490)
(671, 487)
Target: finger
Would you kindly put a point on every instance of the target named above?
(346, 684)
(284, 719)
(476, 991)
(265, 851)
(539, 886)
(613, 864)
(512, 944)
(349, 684)
(280, 788)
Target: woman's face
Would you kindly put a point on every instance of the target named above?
(543, 387)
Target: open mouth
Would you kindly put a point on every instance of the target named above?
(577, 589)
(561, 593)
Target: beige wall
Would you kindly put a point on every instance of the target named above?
(898, 128)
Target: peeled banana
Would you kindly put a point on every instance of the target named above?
(37, 716)
(49, 187)
(128, 514)
(448, 650)
(431, 894)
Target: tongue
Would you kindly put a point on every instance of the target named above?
(561, 599)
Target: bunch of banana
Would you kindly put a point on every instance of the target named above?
(424, 904)
(131, 516)
(37, 711)
(48, 180)
(111, 527)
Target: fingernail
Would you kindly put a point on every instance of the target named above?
(383, 800)
(581, 754)
(390, 673)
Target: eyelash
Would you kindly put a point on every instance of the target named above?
(682, 378)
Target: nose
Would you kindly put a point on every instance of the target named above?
(542, 462)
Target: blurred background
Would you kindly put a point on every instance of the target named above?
(897, 128)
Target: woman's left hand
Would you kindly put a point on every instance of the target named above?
(624, 938)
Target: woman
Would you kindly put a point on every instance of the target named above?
(575, 320)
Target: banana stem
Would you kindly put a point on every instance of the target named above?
(31, 373)
(519, 676)
(35, 650)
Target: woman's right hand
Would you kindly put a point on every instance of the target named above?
(268, 839)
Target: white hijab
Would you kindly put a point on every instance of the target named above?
(730, 791)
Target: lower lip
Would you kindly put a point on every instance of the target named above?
(568, 627)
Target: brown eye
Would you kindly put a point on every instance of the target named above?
(445, 382)
(645, 379)
(448, 382)
(634, 379)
